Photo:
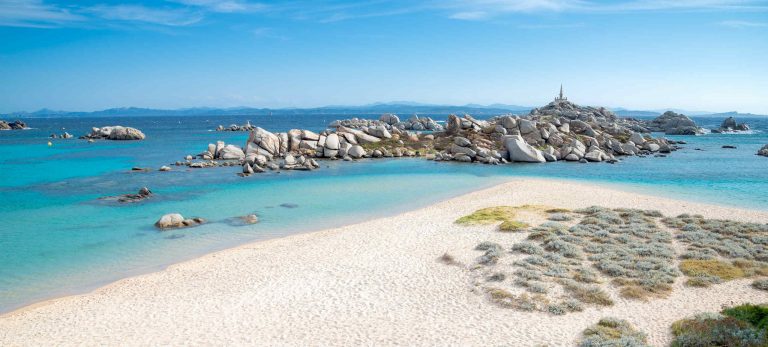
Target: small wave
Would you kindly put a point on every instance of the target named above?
(741, 132)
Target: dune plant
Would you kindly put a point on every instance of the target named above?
(610, 332)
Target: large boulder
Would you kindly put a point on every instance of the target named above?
(231, 152)
(332, 142)
(729, 125)
(453, 124)
(266, 140)
(15, 125)
(520, 151)
(356, 152)
(360, 135)
(389, 118)
(117, 133)
(176, 220)
(672, 123)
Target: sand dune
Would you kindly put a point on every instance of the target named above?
(373, 283)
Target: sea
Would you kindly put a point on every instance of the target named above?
(57, 237)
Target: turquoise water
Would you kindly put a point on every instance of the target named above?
(57, 238)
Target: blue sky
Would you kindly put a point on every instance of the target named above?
(641, 54)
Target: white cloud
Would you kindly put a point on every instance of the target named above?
(34, 13)
(225, 6)
(137, 13)
(472, 9)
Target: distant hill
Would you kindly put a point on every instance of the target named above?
(402, 108)
(733, 114)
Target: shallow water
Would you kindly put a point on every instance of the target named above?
(57, 238)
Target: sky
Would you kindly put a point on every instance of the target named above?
(709, 55)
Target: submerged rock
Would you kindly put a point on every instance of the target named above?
(763, 151)
(176, 220)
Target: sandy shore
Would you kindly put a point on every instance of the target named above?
(373, 283)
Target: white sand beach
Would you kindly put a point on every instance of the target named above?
(372, 283)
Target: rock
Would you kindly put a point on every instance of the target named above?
(360, 136)
(250, 219)
(637, 139)
(176, 220)
(247, 168)
(389, 118)
(15, 125)
(165, 168)
(308, 135)
(117, 132)
(652, 147)
(356, 152)
(461, 141)
(526, 126)
(231, 152)
(380, 132)
(332, 142)
(452, 125)
(672, 123)
(456, 149)
(763, 151)
(266, 140)
(729, 146)
(730, 125)
(520, 151)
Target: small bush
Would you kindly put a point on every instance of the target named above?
(560, 217)
(489, 215)
(513, 225)
(755, 315)
(712, 267)
(557, 210)
(447, 259)
(497, 277)
(612, 332)
(761, 284)
(589, 294)
(716, 331)
(486, 245)
(528, 248)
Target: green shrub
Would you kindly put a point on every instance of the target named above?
(761, 284)
(612, 332)
(716, 331)
(756, 315)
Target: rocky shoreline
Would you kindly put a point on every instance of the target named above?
(559, 131)
(15, 125)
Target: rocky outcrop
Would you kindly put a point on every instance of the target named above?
(729, 125)
(117, 132)
(389, 122)
(15, 125)
(64, 135)
(176, 220)
(234, 127)
(560, 131)
(763, 151)
(144, 193)
(671, 123)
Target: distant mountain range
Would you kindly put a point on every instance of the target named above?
(399, 107)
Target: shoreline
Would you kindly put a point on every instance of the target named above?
(468, 201)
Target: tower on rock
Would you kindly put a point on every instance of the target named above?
(561, 97)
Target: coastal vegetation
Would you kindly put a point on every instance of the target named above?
(744, 325)
(590, 253)
(612, 332)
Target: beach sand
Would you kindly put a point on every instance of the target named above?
(372, 283)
